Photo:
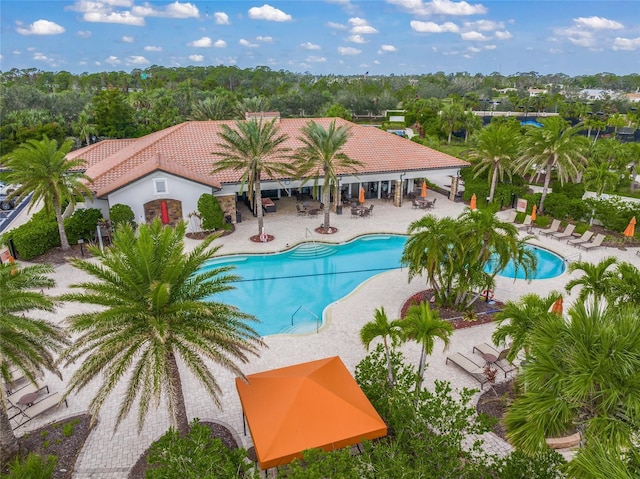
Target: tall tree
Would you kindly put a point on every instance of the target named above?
(423, 325)
(554, 148)
(595, 279)
(495, 147)
(26, 344)
(389, 331)
(451, 116)
(157, 305)
(253, 147)
(113, 115)
(321, 156)
(42, 169)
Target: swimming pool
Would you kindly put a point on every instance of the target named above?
(288, 291)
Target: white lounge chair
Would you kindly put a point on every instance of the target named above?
(501, 355)
(476, 371)
(596, 243)
(46, 404)
(512, 217)
(568, 231)
(586, 236)
(555, 226)
(525, 224)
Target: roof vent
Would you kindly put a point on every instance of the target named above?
(262, 115)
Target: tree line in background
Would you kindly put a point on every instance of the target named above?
(89, 107)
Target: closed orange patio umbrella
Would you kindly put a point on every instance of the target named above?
(557, 306)
(630, 230)
(423, 193)
(534, 212)
(472, 203)
(361, 197)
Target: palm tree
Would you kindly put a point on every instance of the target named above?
(582, 373)
(255, 147)
(157, 305)
(451, 116)
(25, 343)
(423, 325)
(321, 155)
(595, 280)
(496, 147)
(388, 330)
(41, 168)
(600, 177)
(556, 147)
(517, 320)
(625, 285)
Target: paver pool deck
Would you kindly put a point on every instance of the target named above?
(110, 455)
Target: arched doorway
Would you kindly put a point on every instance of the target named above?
(169, 211)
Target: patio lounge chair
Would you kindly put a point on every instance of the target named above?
(586, 236)
(512, 217)
(476, 371)
(555, 226)
(525, 224)
(46, 404)
(596, 243)
(501, 355)
(568, 231)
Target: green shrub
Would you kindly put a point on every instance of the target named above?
(82, 224)
(612, 212)
(557, 205)
(32, 467)
(574, 191)
(67, 429)
(544, 465)
(197, 455)
(543, 221)
(35, 237)
(210, 212)
(581, 228)
(121, 214)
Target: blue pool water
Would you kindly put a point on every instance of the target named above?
(303, 281)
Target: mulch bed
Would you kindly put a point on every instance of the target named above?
(264, 238)
(52, 440)
(494, 402)
(217, 430)
(484, 311)
(326, 231)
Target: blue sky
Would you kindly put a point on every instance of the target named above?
(343, 37)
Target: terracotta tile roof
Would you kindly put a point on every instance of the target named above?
(188, 150)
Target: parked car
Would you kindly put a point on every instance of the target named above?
(5, 191)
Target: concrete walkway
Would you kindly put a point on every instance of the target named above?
(109, 454)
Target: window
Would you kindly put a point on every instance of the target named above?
(160, 186)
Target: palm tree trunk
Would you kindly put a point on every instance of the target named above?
(389, 365)
(64, 242)
(421, 366)
(179, 419)
(326, 200)
(258, 205)
(8, 441)
(545, 188)
(494, 182)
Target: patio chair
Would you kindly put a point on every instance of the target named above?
(371, 210)
(596, 243)
(414, 204)
(568, 231)
(300, 211)
(525, 224)
(586, 236)
(512, 217)
(46, 404)
(555, 226)
(476, 371)
(354, 212)
(501, 355)
(433, 203)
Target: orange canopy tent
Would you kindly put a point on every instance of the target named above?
(534, 212)
(310, 405)
(361, 196)
(630, 229)
(472, 203)
(423, 193)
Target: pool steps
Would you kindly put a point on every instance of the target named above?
(313, 250)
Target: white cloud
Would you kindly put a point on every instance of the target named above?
(581, 38)
(113, 60)
(84, 33)
(222, 18)
(310, 46)
(489, 47)
(269, 13)
(387, 49)
(315, 59)
(432, 27)
(349, 51)
(598, 23)
(151, 48)
(504, 35)
(628, 44)
(127, 39)
(247, 43)
(484, 25)
(361, 26)
(125, 18)
(173, 10)
(137, 60)
(357, 39)
(204, 42)
(220, 44)
(260, 38)
(439, 7)
(196, 58)
(337, 26)
(41, 27)
(473, 36)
